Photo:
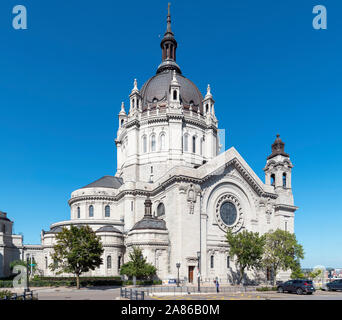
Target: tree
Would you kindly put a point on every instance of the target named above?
(297, 272)
(282, 252)
(248, 248)
(137, 266)
(315, 274)
(25, 264)
(77, 250)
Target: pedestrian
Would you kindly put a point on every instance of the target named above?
(217, 286)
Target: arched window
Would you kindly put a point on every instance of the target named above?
(107, 211)
(153, 143)
(91, 211)
(46, 263)
(3, 228)
(144, 144)
(272, 179)
(119, 262)
(160, 209)
(109, 262)
(185, 144)
(212, 262)
(122, 122)
(78, 212)
(228, 262)
(201, 147)
(162, 141)
(194, 144)
(174, 94)
(206, 108)
(284, 180)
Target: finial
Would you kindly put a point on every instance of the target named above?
(135, 84)
(148, 205)
(278, 135)
(122, 111)
(208, 95)
(168, 29)
(174, 79)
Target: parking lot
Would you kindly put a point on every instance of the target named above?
(318, 295)
(110, 293)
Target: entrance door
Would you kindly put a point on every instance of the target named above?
(191, 274)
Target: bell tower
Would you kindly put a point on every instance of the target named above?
(278, 166)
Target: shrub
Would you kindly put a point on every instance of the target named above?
(6, 284)
(5, 294)
(266, 289)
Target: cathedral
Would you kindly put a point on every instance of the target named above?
(175, 193)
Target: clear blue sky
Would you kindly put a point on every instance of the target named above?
(62, 82)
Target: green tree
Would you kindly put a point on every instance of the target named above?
(137, 266)
(297, 272)
(25, 264)
(282, 252)
(77, 250)
(248, 248)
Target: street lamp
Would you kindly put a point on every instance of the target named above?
(199, 270)
(27, 289)
(178, 266)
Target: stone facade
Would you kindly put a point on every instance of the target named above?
(11, 245)
(168, 152)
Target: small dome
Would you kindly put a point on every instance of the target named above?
(55, 230)
(156, 89)
(108, 229)
(278, 148)
(106, 182)
(150, 223)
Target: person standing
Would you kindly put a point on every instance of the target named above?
(217, 286)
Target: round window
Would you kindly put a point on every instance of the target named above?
(228, 213)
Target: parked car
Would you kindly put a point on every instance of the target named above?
(334, 285)
(297, 286)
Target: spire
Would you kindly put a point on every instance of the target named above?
(208, 95)
(168, 29)
(278, 148)
(135, 86)
(122, 111)
(168, 46)
(174, 81)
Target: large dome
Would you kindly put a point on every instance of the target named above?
(157, 89)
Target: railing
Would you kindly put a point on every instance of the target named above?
(194, 289)
(24, 296)
(132, 294)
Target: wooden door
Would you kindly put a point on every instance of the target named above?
(191, 274)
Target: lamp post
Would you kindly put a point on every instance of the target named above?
(199, 271)
(27, 289)
(178, 266)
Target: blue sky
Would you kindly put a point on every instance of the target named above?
(62, 82)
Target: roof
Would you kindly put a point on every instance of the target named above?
(278, 148)
(3, 216)
(150, 223)
(106, 182)
(55, 230)
(158, 86)
(108, 229)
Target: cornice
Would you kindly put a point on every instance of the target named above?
(180, 178)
